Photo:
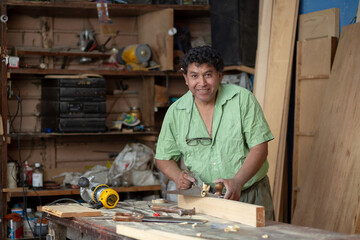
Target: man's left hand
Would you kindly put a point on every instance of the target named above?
(233, 188)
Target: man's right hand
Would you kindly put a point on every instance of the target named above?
(184, 181)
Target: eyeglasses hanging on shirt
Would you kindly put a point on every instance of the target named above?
(205, 141)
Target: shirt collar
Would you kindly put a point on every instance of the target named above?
(224, 93)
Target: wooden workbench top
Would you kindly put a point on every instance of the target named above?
(103, 227)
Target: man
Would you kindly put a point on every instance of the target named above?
(219, 130)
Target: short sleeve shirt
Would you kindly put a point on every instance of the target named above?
(238, 125)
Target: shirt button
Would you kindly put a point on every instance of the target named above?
(214, 163)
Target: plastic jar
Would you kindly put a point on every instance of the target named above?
(29, 223)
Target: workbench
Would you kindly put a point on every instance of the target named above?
(105, 228)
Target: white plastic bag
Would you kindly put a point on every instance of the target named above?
(134, 157)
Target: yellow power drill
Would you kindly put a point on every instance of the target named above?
(96, 194)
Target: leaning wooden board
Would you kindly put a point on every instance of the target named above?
(70, 210)
(329, 198)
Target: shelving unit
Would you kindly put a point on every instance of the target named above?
(31, 24)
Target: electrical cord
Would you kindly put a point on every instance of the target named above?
(52, 203)
(22, 177)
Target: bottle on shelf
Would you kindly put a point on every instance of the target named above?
(29, 223)
(37, 177)
(126, 177)
(27, 172)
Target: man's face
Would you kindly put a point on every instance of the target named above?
(203, 81)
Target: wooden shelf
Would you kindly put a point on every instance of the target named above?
(88, 9)
(35, 71)
(44, 52)
(18, 192)
(110, 133)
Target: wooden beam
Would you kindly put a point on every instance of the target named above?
(249, 214)
(262, 53)
(277, 94)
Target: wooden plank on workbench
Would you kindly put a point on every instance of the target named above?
(249, 214)
(70, 210)
(329, 198)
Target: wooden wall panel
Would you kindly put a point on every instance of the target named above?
(311, 97)
(153, 29)
(313, 66)
(329, 198)
(319, 24)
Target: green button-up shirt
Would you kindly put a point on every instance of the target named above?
(238, 125)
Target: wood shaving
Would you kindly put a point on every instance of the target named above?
(265, 236)
(194, 225)
(199, 234)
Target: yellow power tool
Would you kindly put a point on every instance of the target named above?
(135, 56)
(97, 194)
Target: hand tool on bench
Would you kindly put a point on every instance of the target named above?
(200, 191)
(179, 211)
(137, 217)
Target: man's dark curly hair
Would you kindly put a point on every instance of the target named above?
(200, 55)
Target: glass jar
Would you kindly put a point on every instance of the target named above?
(135, 111)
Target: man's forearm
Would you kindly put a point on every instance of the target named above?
(169, 168)
(252, 163)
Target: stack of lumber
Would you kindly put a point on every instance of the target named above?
(329, 198)
(317, 39)
(273, 79)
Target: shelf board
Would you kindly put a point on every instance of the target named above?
(44, 52)
(35, 71)
(110, 133)
(70, 191)
(88, 9)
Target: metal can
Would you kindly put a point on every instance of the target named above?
(14, 226)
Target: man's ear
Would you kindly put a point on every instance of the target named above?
(220, 77)
(186, 79)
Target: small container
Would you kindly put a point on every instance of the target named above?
(37, 177)
(11, 175)
(28, 171)
(14, 226)
(44, 229)
(126, 177)
(17, 209)
(135, 111)
(29, 223)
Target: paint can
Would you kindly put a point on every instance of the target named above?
(14, 226)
